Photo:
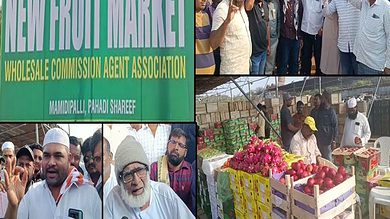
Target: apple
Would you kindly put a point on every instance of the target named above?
(296, 166)
(338, 178)
(341, 170)
(310, 182)
(315, 169)
(305, 174)
(308, 190)
(319, 181)
(331, 173)
(309, 168)
(325, 169)
(321, 174)
(328, 183)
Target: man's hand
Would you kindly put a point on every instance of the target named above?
(268, 50)
(387, 71)
(320, 32)
(14, 186)
(358, 140)
(232, 11)
(333, 145)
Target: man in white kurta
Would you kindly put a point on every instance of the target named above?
(136, 196)
(64, 193)
(356, 128)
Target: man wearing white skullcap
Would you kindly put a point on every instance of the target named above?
(8, 149)
(356, 128)
(136, 196)
(64, 193)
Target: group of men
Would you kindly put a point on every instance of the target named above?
(315, 135)
(250, 36)
(51, 175)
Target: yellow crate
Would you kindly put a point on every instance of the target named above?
(261, 184)
(249, 194)
(263, 211)
(385, 180)
(246, 180)
(263, 198)
(239, 199)
(252, 215)
(384, 211)
(239, 214)
(250, 205)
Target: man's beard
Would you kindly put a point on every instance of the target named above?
(175, 160)
(352, 116)
(139, 200)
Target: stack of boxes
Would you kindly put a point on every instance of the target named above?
(236, 134)
(203, 200)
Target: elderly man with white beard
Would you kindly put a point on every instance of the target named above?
(136, 196)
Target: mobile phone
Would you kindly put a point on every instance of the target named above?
(2, 175)
(75, 213)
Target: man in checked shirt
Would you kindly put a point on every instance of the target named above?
(172, 169)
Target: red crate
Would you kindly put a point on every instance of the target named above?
(368, 159)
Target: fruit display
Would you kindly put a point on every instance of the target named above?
(326, 178)
(300, 170)
(208, 153)
(259, 156)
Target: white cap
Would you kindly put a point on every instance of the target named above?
(8, 145)
(352, 102)
(57, 136)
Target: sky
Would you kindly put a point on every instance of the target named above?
(258, 82)
(80, 130)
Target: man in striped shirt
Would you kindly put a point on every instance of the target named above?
(372, 43)
(205, 63)
(348, 27)
(172, 169)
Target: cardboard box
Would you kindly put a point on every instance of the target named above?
(200, 108)
(368, 159)
(244, 113)
(235, 114)
(212, 107)
(335, 98)
(345, 155)
(223, 107)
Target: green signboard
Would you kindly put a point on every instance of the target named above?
(97, 60)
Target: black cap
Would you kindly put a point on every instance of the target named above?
(26, 150)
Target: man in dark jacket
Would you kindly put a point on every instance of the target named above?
(326, 121)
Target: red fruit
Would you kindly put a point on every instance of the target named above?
(295, 177)
(331, 173)
(341, 170)
(338, 178)
(251, 149)
(290, 172)
(321, 174)
(308, 190)
(282, 180)
(315, 169)
(305, 174)
(319, 182)
(309, 168)
(328, 183)
(300, 172)
(325, 169)
(296, 166)
(310, 182)
(301, 162)
(345, 177)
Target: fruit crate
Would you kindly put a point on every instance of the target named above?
(326, 205)
(345, 155)
(261, 184)
(247, 180)
(281, 193)
(368, 159)
(264, 211)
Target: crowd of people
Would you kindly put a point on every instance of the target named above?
(350, 37)
(315, 135)
(145, 178)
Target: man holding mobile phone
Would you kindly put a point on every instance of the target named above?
(63, 189)
(356, 128)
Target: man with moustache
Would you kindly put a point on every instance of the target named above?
(75, 150)
(64, 192)
(356, 128)
(37, 150)
(172, 169)
(136, 196)
(288, 130)
(92, 174)
(102, 157)
(230, 32)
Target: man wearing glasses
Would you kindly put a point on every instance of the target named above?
(136, 196)
(172, 169)
(102, 158)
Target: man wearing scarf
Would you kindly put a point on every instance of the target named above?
(172, 169)
(64, 192)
